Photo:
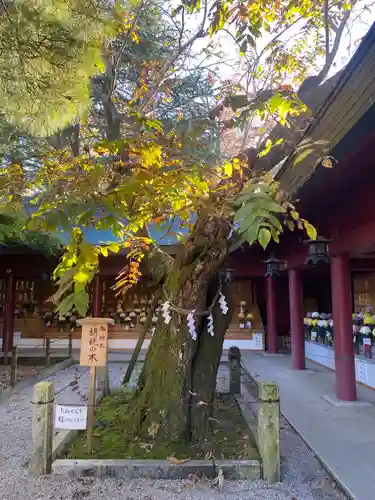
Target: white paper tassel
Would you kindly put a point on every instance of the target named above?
(166, 313)
(191, 325)
(223, 304)
(210, 325)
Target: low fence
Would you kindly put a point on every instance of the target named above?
(260, 405)
(49, 442)
(31, 352)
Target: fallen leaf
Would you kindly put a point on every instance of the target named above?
(327, 163)
(146, 446)
(219, 479)
(178, 461)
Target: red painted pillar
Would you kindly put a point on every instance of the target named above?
(296, 319)
(97, 297)
(271, 316)
(343, 334)
(9, 312)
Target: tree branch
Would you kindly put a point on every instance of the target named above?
(170, 62)
(330, 55)
(326, 27)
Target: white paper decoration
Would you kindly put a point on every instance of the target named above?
(166, 313)
(223, 304)
(191, 325)
(210, 325)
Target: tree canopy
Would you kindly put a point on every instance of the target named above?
(130, 115)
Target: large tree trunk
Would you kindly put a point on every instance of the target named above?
(176, 389)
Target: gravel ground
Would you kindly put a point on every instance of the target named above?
(303, 477)
(22, 372)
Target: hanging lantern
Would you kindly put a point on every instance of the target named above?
(273, 266)
(317, 252)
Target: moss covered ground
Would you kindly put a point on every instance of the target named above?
(231, 436)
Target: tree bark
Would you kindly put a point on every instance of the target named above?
(177, 385)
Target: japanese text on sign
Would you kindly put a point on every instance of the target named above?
(94, 344)
(70, 417)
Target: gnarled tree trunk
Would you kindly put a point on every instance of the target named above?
(174, 397)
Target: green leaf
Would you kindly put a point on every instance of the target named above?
(294, 214)
(310, 230)
(275, 102)
(81, 302)
(252, 234)
(66, 304)
(264, 237)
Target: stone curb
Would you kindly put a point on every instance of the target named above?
(159, 469)
(27, 382)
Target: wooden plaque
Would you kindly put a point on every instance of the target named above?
(94, 341)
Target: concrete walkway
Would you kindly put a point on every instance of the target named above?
(343, 437)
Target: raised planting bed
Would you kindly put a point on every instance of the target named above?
(233, 449)
(233, 439)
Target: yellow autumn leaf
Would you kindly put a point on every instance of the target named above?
(228, 169)
(310, 230)
(135, 38)
(178, 461)
(327, 163)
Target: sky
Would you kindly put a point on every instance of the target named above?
(356, 29)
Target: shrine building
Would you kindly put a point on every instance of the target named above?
(313, 300)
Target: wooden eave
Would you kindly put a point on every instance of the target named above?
(348, 102)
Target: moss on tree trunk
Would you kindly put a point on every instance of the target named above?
(174, 397)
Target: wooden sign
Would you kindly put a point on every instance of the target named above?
(94, 341)
(70, 417)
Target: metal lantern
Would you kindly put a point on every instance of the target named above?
(317, 252)
(273, 266)
(227, 275)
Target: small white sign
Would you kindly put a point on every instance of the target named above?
(366, 341)
(361, 371)
(71, 417)
(258, 338)
(242, 325)
(313, 335)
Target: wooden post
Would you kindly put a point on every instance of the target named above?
(70, 348)
(9, 306)
(272, 334)
(346, 388)
(269, 430)
(5, 348)
(103, 379)
(48, 352)
(42, 428)
(13, 368)
(147, 325)
(234, 362)
(91, 408)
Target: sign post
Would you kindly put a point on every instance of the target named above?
(94, 352)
